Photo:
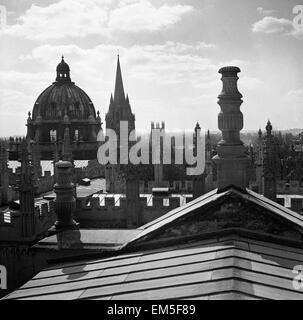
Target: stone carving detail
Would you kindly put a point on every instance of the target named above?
(234, 212)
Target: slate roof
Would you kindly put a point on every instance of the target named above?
(219, 268)
(233, 244)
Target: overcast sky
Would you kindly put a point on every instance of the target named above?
(170, 53)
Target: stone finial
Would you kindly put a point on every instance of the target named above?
(65, 202)
(268, 128)
(29, 119)
(231, 159)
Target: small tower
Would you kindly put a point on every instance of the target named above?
(158, 167)
(36, 160)
(231, 159)
(119, 110)
(26, 188)
(269, 164)
(119, 107)
(259, 162)
(4, 176)
(198, 180)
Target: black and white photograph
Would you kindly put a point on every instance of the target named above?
(151, 153)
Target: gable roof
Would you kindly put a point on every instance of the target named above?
(261, 208)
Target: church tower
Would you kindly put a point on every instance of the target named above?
(119, 106)
(119, 110)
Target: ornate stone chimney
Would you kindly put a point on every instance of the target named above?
(65, 203)
(231, 159)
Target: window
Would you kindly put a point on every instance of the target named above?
(166, 202)
(76, 135)
(53, 135)
(7, 217)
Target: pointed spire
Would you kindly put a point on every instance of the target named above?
(111, 98)
(119, 95)
(127, 99)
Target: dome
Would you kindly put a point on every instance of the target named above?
(62, 98)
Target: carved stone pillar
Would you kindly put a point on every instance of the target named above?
(65, 202)
(231, 159)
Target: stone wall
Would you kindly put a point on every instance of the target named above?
(108, 212)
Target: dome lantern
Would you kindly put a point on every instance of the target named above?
(63, 71)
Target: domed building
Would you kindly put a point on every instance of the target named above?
(60, 106)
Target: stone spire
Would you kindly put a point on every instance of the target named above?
(231, 159)
(119, 96)
(36, 160)
(119, 107)
(26, 188)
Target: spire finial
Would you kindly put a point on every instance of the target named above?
(119, 95)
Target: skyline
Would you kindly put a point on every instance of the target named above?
(169, 60)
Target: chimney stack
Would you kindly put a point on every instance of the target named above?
(65, 203)
(231, 159)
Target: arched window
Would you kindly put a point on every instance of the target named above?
(53, 135)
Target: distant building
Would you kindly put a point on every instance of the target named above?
(64, 105)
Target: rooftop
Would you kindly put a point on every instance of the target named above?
(217, 268)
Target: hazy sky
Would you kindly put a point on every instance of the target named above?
(170, 53)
